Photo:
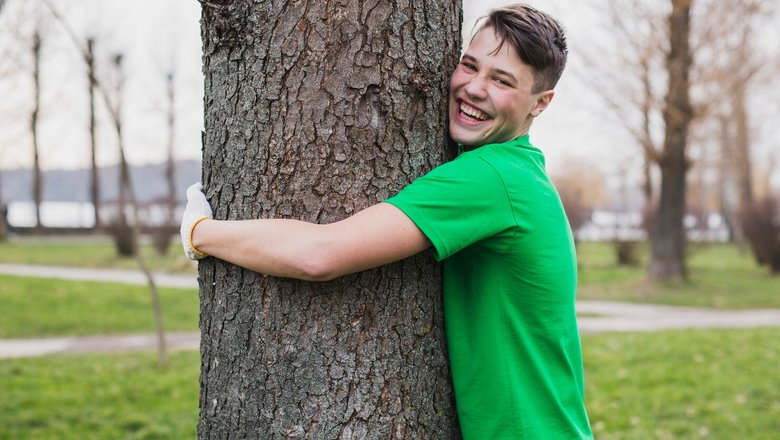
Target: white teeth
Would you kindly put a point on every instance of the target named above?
(472, 112)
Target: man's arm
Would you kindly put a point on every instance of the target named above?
(378, 235)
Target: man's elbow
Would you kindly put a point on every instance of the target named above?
(317, 267)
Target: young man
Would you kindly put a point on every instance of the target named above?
(491, 215)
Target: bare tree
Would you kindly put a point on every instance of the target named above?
(94, 182)
(728, 69)
(126, 186)
(653, 50)
(629, 78)
(34, 117)
(3, 212)
(115, 110)
(315, 111)
(121, 227)
(164, 233)
(667, 244)
(169, 168)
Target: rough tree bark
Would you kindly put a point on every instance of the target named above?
(668, 240)
(314, 111)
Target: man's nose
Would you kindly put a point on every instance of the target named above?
(477, 87)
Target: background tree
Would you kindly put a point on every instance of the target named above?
(127, 193)
(170, 171)
(652, 102)
(3, 212)
(314, 111)
(736, 69)
(631, 82)
(130, 232)
(726, 71)
(667, 243)
(34, 117)
(94, 180)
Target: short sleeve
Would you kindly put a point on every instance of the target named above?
(457, 204)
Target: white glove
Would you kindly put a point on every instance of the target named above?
(197, 210)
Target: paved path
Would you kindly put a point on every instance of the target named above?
(635, 317)
(110, 275)
(600, 316)
(16, 348)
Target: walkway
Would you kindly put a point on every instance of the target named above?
(600, 316)
(109, 275)
(607, 316)
(16, 348)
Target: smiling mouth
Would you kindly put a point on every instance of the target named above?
(471, 113)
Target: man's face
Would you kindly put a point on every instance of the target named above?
(490, 94)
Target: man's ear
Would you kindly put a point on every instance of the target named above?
(542, 101)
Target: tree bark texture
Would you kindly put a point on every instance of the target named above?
(668, 240)
(314, 111)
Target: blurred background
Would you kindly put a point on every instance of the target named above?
(96, 92)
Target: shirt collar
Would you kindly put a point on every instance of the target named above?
(523, 141)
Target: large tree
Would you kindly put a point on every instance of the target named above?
(314, 111)
(668, 239)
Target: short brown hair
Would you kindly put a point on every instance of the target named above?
(537, 37)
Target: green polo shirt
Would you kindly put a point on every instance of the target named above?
(510, 274)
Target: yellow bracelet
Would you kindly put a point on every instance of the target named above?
(198, 253)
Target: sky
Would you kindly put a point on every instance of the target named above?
(157, 36)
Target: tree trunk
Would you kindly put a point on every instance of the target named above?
(37, 184)
(726, 187)
(314, 111)
(668, 240)
(170, 173)
(94, 188)
(744, 168)
(3, 213)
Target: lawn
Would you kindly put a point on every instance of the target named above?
(718, 384)
(721, 276)
(99, 397)
(670, 385)
(89, 251)
(37, 307)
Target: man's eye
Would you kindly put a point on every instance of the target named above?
(469, 66)
(502, 82)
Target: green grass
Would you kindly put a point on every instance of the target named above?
(714, 384)
(97, 252)
(718, 384)
(721, 276)
(99, 397)
(36, 307)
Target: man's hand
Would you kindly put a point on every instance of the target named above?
(197, 210)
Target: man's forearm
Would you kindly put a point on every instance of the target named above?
(278, 247)
(375, 236)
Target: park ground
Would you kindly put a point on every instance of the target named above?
(673, 383)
